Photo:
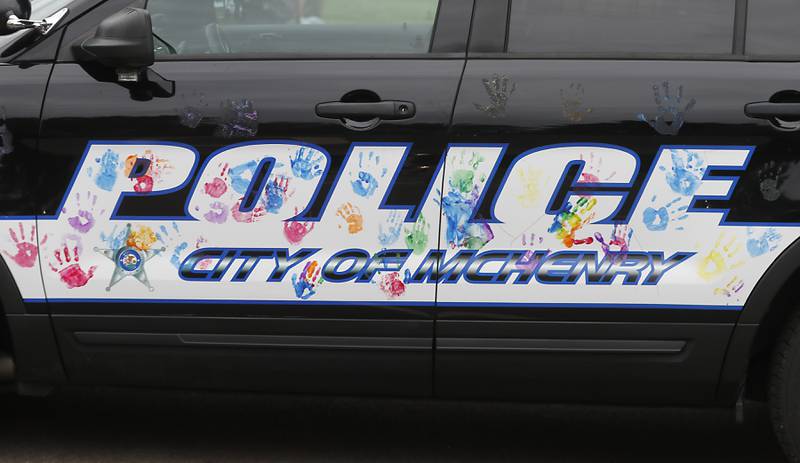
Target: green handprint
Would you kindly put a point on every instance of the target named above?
(417, 236)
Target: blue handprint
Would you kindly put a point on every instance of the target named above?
(276, 194)
(173, 240)
(306, 285)
(760, 245)
(658, 218)
(365, 182)
(242, 175)
(457, 209)
(687, 172)
(306, 164)
(109, 164)
(389, 231)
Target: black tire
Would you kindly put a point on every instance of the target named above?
(784, 389)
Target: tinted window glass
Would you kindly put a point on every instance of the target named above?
(292, 26)
(773, 27)
(622, 26)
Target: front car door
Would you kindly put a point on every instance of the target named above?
(636, 205)
(248, 227)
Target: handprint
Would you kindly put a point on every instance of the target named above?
(389, 231)
(109, 165)
(365, 181)
(464, 168)
(217, 212)
(191, 116)
(725, 256)
(670, 113)
(295, 231)
(239, 119)
(771, 176)
(571, 219)
(572, 102)
(217, 187)
(276, 194)
(417, 237)
(530, 260)
(306, 286)
(255, 215)
(687, 172)
(27, 251)
(618, 243)
(173, 240)
(83, 220)
(731, 289)
(352, 215)
(659, 218)
(306, 164)
(66, 263)
(760, 245)
(529, 180)
(242, 175)
(499, 88)
(392, 285)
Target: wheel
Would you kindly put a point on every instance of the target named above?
(784, 389)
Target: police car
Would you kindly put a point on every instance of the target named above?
(551, 200)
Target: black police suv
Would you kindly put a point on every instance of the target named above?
(551, 200)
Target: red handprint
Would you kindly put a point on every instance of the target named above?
(67, 264)
(27, 251)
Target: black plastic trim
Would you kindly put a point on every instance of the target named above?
(489, 25)
(248, 340)
(740, 27)
(452, 27)
(600, 346)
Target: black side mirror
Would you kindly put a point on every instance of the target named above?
(123, 41)
(19, 8)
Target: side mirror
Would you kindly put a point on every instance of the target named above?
(19, 9)
(123, 41)
(15, 16)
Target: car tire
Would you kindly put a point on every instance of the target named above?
(784, 389)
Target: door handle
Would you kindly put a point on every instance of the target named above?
(769, 110)
(383, 110)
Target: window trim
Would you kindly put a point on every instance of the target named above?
(637, 57)
(448, 41)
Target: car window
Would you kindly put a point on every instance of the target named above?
(772, 27)
(189, 27)
(621, 26)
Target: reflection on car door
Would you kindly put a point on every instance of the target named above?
(255, 159)
(623, 150)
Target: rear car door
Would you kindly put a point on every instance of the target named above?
(239, 217)
(640, 197)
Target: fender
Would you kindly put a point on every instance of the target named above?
(750, 330)
(36, 355)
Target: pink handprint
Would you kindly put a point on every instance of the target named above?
(296, 231)
(27, 251)
(66, 264)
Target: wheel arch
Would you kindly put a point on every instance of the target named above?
(764, 314)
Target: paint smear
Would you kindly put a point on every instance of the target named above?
(392, 285)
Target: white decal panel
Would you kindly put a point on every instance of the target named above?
(566, 227)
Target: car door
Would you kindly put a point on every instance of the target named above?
(239, 217)
(645, 188)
